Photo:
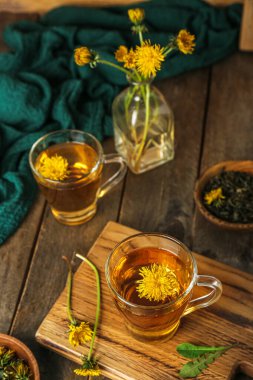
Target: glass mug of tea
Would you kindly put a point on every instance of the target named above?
(68, 166)
(152, 278)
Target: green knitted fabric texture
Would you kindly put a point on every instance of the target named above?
(42, 89)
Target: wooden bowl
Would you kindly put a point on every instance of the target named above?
(241, 166)
(22, 352)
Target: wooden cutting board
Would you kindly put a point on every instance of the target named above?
(122, 357)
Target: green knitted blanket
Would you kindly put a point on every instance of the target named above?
(43, 90)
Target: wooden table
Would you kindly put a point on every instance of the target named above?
(214, 122)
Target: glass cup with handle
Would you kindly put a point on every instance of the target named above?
(152, 278)
(68, 167)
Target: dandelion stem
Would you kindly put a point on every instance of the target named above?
(69, 287)
(140, 37)
(167, 50)
(98, 302)
(115, 66)
(146, 126)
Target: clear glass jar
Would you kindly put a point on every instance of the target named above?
(143, 127)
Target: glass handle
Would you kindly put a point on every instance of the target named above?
(116, 177)
(208, 299)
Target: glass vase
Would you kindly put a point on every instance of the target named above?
(143, 127)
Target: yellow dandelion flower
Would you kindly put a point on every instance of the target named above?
(129, 60)
(2, 350)
(22, 369)
(87, 372)
(136, 15)
(121, 53)
(214, 196)
(79, 334)
(54, 167)
(158, 283)
(148, 59)
(185, 41)
(10, 353)
(82, 56)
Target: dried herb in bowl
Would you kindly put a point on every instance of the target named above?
(12, 367)
(229, 196)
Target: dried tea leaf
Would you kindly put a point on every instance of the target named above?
(237, 189)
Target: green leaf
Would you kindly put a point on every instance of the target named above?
(192, 369)
(196, 366)
(191, 351)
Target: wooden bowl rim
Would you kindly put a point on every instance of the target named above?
(244, 166)
(28, 355)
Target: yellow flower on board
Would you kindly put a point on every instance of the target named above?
(82, 56)
(136, 15)
(79, 334)
(214, 196)
(158, 283)
(185, 41)
(129, 60)
(54, 167)
(148, 59)
(87, 372)
(121, 53)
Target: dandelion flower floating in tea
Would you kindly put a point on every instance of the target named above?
(158, 283)
(54, 167)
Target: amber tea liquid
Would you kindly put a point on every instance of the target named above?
(76, 194)
(143, 322)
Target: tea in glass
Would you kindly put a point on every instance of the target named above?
(152, 278)
(81, 159)
(67, 166)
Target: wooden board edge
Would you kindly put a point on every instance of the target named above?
(59, 349)
(66, 353)
(246, 34)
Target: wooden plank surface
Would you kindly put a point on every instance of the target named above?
(120, 355)
(228, 136)
(16, 253)
(246, 35)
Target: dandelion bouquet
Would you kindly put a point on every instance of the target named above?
(143, 121)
